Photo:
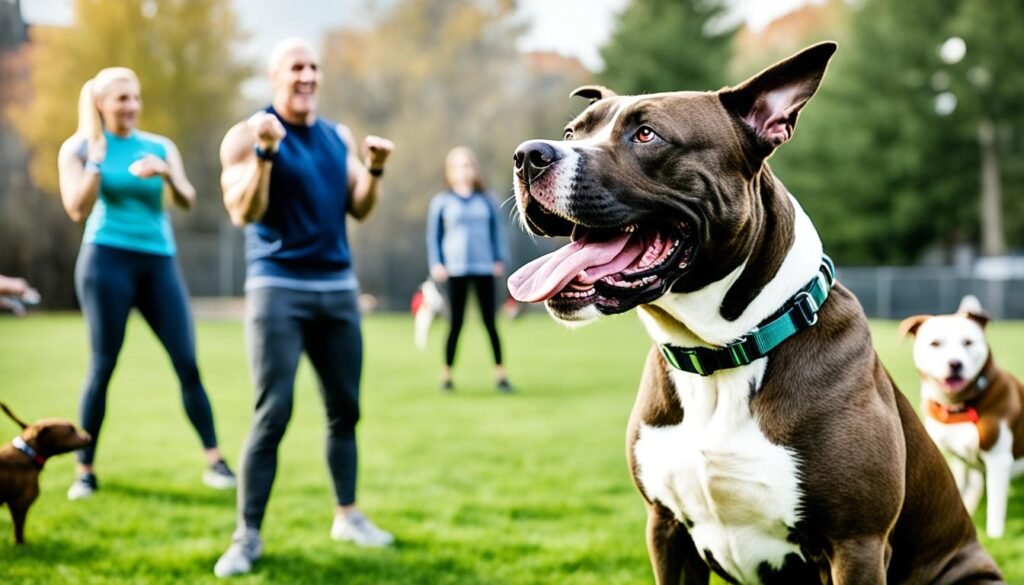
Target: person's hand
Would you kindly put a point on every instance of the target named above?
(439, 273)
(13, 286)
(15, 293)
(268, 130)
(499, 269)
(97, 152)
(12, 305)
(149, 166)
(376, 151)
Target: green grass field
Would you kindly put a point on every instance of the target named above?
(479, 488)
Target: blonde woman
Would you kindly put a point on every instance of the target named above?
(466, 247)
(114, 176)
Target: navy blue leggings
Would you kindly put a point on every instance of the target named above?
(110, 281)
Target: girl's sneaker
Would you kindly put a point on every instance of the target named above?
(85, 485)
(219, 477)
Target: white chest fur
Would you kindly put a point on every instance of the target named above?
(718, 473)
(959, 439)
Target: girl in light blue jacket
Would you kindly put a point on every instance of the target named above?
(466, 247)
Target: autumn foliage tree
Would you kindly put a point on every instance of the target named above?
(182, 51)
(433, 74)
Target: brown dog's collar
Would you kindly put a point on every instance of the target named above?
(952, 414)
(31, 453)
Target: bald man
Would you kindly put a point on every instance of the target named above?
(290, 178)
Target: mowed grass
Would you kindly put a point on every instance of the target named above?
(479, 488)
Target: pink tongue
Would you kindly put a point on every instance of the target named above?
(546, 276)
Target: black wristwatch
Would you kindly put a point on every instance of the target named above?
(375, 172)
(261, 154)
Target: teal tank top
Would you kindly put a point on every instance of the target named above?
(129, 211)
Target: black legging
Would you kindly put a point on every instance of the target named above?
(458, 290)
(110, 281)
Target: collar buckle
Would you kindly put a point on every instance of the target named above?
(744, 350)
(828, 271)
(806, 309)
(670, 356)
(705, 361)
(687, 359)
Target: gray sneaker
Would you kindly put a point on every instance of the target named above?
(246, 547)
(358, 529)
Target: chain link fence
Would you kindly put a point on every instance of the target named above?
(214, 266)
(895, 293)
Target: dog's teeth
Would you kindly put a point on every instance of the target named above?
(578, 294)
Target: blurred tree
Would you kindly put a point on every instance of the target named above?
(182, 51)
(911, 147)
(881, 171)
(988, 83)
(43, 256)
(668, 45)
(433, 74)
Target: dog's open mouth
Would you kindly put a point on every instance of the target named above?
(955, 383)
(614, 269)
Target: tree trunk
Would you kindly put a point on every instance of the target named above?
(993, 236)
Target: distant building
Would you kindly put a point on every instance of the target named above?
(553, 69)
(756, 49)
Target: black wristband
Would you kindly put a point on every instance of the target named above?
(261, 154)
(375, 172)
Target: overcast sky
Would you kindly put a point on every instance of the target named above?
(572, 27)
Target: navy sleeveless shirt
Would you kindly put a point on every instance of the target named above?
(301, 241)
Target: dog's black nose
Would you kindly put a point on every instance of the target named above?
(534, 157)
(955, 366)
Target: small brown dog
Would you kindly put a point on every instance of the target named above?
(22, 459)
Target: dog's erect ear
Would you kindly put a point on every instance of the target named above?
(910, 325)
(981, 318)
(769, 102)
(593, 92)
(970, 307)
(13, 416)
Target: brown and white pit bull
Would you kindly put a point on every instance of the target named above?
(22, 460)
(805, 465)
(974, 410)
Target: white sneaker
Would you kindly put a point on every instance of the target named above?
(246, 547)
(358, 529)
(85, 486)
(219, 477)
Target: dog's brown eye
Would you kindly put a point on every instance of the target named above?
(567, 135)
(968, 343)
(935, 343)
(644, 135)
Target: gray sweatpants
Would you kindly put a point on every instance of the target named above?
(280, 324)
